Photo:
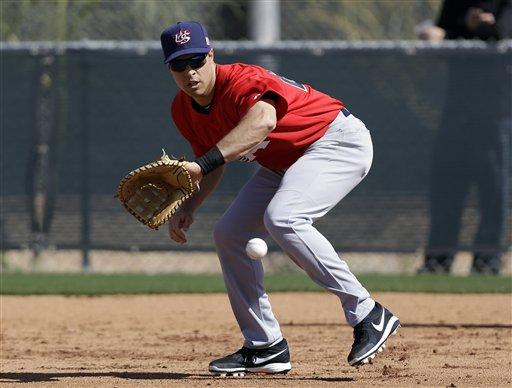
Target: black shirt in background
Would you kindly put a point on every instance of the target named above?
(453, 14)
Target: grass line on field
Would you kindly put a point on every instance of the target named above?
(107, 284)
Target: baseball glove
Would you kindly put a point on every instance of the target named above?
(154, 192)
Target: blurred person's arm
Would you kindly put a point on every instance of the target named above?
(467, 19)
(448, 24)
(489, 19)
(477, 17)
(481, 19)
(432, 33)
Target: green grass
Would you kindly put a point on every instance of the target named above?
(102, 284)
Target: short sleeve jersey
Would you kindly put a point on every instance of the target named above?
(303, 114)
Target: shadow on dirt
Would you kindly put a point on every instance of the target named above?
(29, 377)
(415, 325)
(56, 376)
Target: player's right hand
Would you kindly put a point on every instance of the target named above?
(179, 223)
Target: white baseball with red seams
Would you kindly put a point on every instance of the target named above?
(256, 248)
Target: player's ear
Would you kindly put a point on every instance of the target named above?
(211, 55)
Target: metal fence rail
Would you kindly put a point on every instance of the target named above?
(77, 116)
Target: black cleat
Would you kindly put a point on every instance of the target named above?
(275, 359)
(486, 264)
(437, 264)
(371, 334)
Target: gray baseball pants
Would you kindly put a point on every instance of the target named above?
(285, 205)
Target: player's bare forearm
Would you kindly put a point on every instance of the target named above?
(259, 121)
(208, 184)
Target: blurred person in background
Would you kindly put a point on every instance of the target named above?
(473, 143)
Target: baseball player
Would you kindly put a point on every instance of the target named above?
(312, 153)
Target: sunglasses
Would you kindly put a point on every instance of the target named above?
(194, 63)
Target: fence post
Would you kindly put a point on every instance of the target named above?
(84, 162)
(41, 176)
(265, 21)
(265, 27)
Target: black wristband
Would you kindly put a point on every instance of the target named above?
(210, 160)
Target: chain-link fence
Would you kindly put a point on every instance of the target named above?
(355, 20)
(77, 117)
(68, 20)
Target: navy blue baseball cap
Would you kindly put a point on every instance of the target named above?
(184, 38)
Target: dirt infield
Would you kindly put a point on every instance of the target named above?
(168, 340)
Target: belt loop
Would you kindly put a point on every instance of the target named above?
(345, 112)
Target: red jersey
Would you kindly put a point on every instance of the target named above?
(303, 114)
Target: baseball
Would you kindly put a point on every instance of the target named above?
(256, 248)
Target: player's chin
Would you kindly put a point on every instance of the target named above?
(197, 90)
(194, 91)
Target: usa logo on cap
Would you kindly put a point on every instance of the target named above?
(182, 37)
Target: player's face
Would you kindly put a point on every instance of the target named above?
(195, 75)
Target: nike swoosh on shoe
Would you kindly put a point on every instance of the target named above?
(380, 326)
(258, 360)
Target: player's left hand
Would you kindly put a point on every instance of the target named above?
(195, 172)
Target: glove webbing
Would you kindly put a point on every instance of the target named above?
(153, 196)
